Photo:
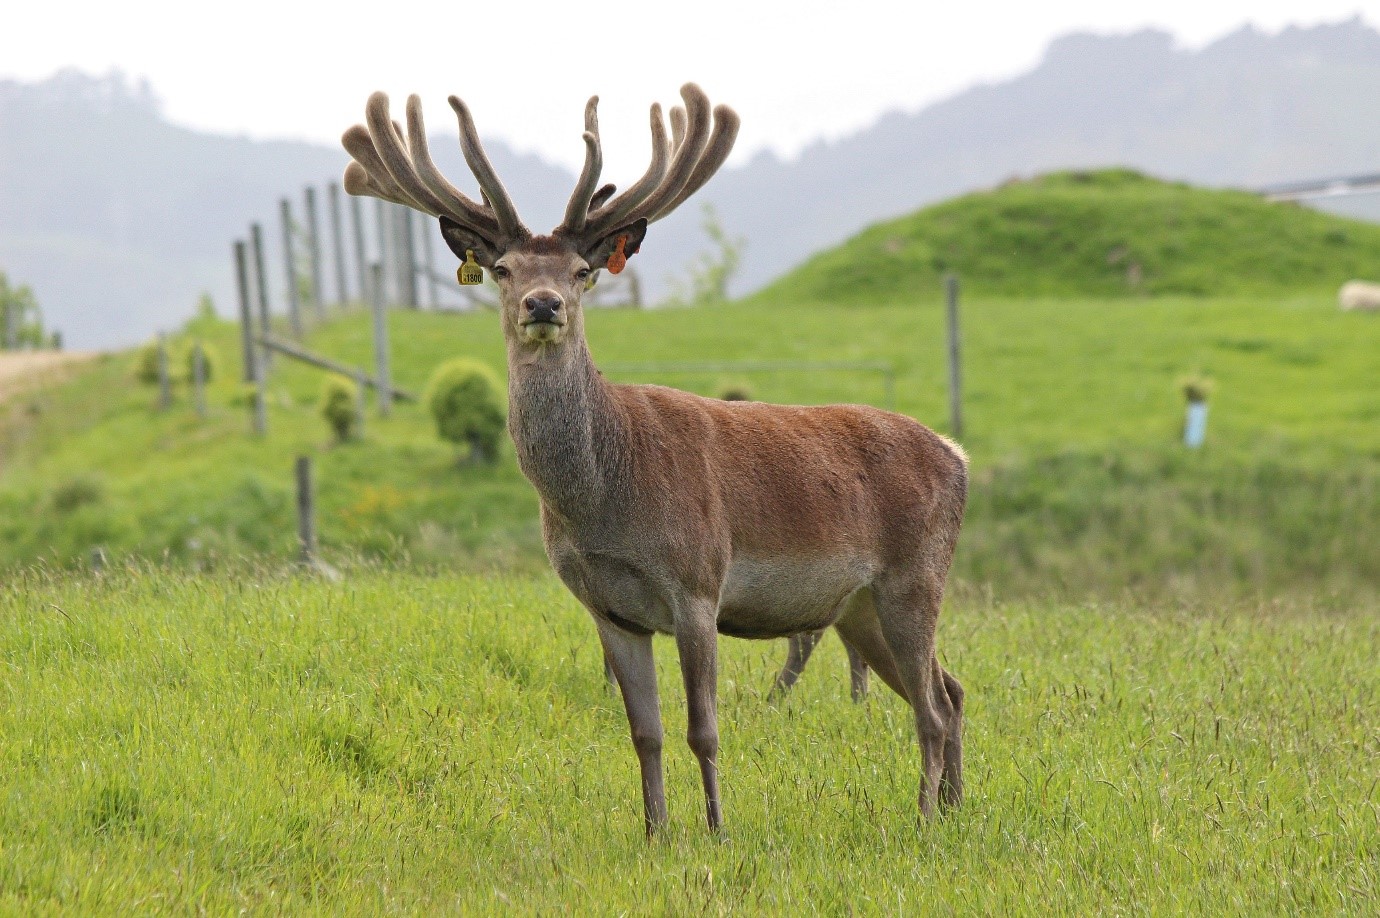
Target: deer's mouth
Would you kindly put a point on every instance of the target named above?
(542, 330)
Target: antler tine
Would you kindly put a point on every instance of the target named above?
(459, 206)
(677, 127)
(686, 157)
(504, 212)
(726, 124)
(389, 145)
(367, 175)
(601, 197)
(577, 210)
(604, 218)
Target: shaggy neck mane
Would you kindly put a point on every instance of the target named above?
(569, 433)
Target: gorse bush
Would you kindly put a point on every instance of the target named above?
(146, 364)
(339, 398)
(77, 491)
(464, 399)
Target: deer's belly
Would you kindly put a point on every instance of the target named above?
(780, 596)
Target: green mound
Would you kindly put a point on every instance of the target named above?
(1113, 232)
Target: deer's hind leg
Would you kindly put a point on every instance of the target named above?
(799, 648)
(908, 613)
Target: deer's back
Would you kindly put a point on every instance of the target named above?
(795, 480)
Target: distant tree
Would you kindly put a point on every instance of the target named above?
(21, 322)
(464, 399)
(710, 273)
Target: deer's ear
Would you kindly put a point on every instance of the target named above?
(598, 254)
(462, 239)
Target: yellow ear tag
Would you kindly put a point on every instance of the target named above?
(618, 261)
(591, 280)
(469, 274)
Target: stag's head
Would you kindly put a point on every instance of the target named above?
(540, 278)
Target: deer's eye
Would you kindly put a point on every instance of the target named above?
(501, 272)
(582, 274)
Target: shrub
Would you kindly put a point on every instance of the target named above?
(77, 491)
(339, 398)
(1195, 388)
(464, 399)
(735, 392)
(146, 364)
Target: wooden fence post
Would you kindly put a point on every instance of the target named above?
(378, 274)
(407, 256)
(361, 406)
(306, 511)
(290, 256)
(430, 264)
(357, 225)
(164, 380)
(342, 295)
(199, 379)
(381, 370)
(314, 253)
(252, 371)
(256, 240)
(955, 367)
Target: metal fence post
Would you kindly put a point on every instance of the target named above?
(955, 367)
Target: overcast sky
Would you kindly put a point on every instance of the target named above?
(795, 71)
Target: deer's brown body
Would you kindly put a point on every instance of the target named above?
(664, 512)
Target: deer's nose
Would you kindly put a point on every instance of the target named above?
(543, 307)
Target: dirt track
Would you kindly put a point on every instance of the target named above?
(25, 370)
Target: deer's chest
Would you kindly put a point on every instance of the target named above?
(614, 586)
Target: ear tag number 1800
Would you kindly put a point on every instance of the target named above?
(469, 273)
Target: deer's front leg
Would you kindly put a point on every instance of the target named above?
(635, 668)
(697, 642)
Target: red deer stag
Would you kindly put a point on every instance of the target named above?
(668, 513)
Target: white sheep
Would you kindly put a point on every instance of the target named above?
(1359, 295)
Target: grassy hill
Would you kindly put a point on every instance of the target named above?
(1109, 233)
(1073, 420)
(1072, 407)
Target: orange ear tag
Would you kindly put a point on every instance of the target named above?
(618, 261)
(469, 274)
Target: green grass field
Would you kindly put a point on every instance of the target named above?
(405, 744)
(1073, 420)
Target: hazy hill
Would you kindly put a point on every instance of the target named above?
(1106, 233)
(118, 218)
(1248, 110)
